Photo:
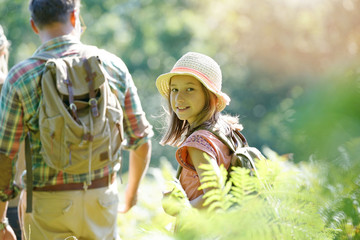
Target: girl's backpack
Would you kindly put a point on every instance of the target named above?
(243, 155)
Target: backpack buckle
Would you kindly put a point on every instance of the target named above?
(73, 107)
(94, 109)
(93, 101)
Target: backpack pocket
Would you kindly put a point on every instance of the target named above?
(84, 152)
(52, 138)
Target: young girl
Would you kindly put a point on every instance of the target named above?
(193, 91)
(4, 55)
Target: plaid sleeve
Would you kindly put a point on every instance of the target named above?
(136, 127)
(11, 133)
(11, 119)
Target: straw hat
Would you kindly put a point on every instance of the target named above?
(203, 68)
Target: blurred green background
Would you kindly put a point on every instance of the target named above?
(290, 66)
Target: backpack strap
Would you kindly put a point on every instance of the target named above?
(178, 172)
(233, 145)
(237, 144)
(92, 96)
(29, 175)
(234, 142)
(45, 56)
(71, 99)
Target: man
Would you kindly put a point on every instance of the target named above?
(57, 213)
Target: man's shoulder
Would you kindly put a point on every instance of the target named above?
(108, 58)
(24, 68)
(94, 50)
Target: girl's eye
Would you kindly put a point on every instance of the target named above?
(189, 89)
(173, 90)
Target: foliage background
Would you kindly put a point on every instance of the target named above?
(271, 52)
(290, 67)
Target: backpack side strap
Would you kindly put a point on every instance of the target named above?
(29, 175)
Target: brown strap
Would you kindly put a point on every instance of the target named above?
(29, 176)
(178, 172)
(242, 137)
(90, 79)
(97, 183)
(72, 105)
(230, 142)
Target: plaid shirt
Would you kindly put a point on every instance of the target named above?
(19, 106)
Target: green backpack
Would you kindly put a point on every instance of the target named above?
(243, 155)
(80, 118)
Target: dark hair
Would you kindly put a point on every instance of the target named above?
(45, 12)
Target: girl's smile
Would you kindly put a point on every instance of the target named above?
(187, 97)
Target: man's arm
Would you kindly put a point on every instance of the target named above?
(5, 177)
(139, 162)
(3, 209)
(7, 233)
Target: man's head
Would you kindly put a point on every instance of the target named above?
(46, 12)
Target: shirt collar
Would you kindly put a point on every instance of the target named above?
(55, 43)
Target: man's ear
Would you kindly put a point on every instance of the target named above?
(73, 18)
(33, 26)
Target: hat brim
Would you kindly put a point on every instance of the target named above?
(163, 86)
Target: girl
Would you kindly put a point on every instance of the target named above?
(193, 91)
(4, 55)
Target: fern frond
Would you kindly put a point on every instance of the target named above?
(217, 196)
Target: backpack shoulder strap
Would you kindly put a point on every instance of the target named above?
(230, 143)
(178, 172)
(233, 142)
(224, 139)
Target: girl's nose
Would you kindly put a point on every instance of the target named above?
(180, 97)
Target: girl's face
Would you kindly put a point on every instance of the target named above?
(187, 97)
